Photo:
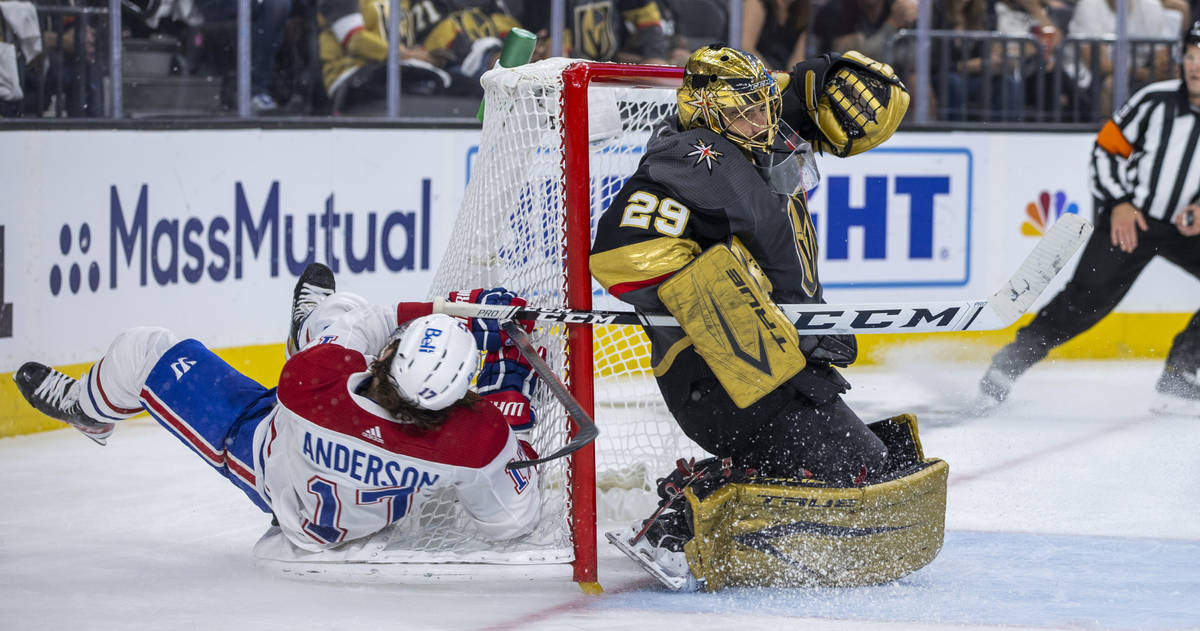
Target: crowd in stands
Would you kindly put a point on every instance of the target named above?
(989, 60)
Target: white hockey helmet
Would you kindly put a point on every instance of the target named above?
(435, 361)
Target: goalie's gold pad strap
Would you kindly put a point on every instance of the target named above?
(792, 533)
(744, 337)
(859, 106)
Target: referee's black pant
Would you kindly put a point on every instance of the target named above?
(1102, 278)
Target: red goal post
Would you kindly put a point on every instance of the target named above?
(577, 79)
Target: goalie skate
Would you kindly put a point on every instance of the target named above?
(56, 395)
(670, 568)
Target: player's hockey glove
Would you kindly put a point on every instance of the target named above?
(839, 350)
(515, 408)
(487, 331)
(844, 103)
(506, 379)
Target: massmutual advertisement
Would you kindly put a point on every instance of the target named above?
(206, 232)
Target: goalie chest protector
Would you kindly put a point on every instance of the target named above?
(728, 197)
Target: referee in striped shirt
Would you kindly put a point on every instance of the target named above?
(1145, 171)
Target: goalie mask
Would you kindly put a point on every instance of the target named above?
(435, 361)
(730, 92)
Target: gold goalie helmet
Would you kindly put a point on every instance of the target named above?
(730, 92)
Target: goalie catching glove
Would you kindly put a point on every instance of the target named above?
(506, 379)
(843, 104)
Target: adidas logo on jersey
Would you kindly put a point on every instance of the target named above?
(374, 434)
(181, 366)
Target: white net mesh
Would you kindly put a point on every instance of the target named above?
(510, 232)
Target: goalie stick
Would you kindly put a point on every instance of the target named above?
(587, 429)
(999, 311)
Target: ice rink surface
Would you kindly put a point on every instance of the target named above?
(1072, 507)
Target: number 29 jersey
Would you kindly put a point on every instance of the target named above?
(694, 189)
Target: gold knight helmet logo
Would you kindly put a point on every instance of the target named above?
(593, 33)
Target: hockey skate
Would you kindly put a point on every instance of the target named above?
(1178, 393)
(313, 286)
(670, 568)
(56, 395)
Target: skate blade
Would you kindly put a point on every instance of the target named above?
(98, 435)
(674, 583)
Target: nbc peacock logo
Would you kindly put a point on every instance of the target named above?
(1040, 214)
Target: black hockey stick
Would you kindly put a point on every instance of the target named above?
(999, 311)
(587, 429)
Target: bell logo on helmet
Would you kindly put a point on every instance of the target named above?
(427, 340)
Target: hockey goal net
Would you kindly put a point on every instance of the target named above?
(559, 139)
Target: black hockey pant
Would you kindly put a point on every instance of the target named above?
(782, 434)
(1102, 278)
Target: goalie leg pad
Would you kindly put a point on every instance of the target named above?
(802, 533)
(747, 341)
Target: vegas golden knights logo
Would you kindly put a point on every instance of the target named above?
(475, 23)
(806, 243)
(593, 32)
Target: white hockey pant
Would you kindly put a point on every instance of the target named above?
(113, 385)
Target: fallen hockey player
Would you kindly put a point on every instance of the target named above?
(373, 415)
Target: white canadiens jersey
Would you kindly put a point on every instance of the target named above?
(335, 468)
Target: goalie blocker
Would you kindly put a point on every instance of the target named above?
(722, 302)
(770, 532)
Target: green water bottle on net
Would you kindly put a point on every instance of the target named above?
(517, 51)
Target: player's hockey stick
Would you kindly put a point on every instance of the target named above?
(999, 311)
(587, 429)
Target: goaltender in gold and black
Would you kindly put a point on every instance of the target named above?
(713, 227)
